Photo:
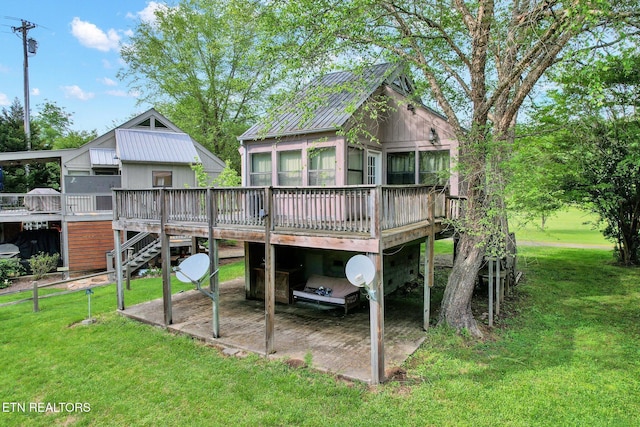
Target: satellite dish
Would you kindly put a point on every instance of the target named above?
(360, 272)
(192, 269)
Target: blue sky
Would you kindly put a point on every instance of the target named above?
(77, 58)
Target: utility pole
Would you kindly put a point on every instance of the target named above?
(28, 46)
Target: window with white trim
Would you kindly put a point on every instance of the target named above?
(260, 175)
(322, 166)
(290, 168)
(434, 167)
(355, 166)
(401, 168)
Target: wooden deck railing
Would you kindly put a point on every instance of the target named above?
(352, 209)
(323, 208)
(137, 204)
(61, 204)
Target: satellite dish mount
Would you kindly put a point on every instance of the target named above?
(194, 270)
(360, 272)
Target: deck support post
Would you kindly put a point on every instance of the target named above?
(166, 260)
(490, 284)
(376, 316)
(117, 243)
(429, 279)
(429, 267)
(269, 274)
(376, 305)
(214, 288)
(498, 287)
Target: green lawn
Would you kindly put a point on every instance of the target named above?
(570, 355)
(571, 225)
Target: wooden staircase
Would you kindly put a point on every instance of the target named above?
(139, 250)
(143, 256)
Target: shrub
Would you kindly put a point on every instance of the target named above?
(43, 263)
(9, 268)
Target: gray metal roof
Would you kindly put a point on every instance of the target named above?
(325, 104)
(153, 146)
(103, 157)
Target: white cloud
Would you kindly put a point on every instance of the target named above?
(148, 13)
(107, 81)
(4, 100)
(118, 92)
(123, 94)
(76, 92)
(106, 64)
(91, 36)
(35, 91)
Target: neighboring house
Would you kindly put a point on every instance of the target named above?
(311, 199)
(145, 152)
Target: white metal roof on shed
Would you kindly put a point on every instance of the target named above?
(103, 157)
(153, 146)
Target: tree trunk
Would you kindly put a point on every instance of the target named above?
(456, 303)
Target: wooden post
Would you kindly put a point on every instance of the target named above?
(36, 307)
(117, 241)
(375, 208)
(427, 286)
(490, 285)
(166, 260)
(376, 316)
(429, 267)
(212, 211)
(129, 258)
(498, 292)
(269, 274)
(247, 271)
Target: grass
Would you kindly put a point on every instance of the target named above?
(566, 351)
(571, 225)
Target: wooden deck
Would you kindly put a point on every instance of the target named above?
(355, 218)
(365, 219)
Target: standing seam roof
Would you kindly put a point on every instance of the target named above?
(325, 104)
(103, 157)
(152, 146)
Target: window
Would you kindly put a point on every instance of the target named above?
(434, 167)
(401, 168)
(355, 166)
(260, 175)
(322, 166)
(290, 167)
(161, 178)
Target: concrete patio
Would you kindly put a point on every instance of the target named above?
(336, 343)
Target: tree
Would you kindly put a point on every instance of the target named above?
(479, 61)
(595, 128)
(12, 136)
(55, 128)
(203, 64)
(533, 175)
(50, 129)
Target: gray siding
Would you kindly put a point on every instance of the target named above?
(139, 176)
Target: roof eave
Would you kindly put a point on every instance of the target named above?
(290, 133)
